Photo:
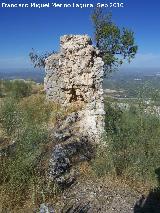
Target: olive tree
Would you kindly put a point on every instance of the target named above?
(116, 45)
(38, 60)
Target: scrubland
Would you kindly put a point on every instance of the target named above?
(130, 151)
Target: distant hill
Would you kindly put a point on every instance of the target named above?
(123, 72)
(34, 74)
(119, 77)
(133, 80)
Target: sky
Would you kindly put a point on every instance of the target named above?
(22, 29)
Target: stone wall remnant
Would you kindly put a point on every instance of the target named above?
(75, 76)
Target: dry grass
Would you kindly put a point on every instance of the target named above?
(35, 115)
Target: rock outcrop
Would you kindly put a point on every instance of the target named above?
(70, 148)
(75, 76)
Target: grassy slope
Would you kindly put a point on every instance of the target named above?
(132, 152)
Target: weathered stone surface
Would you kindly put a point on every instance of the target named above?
(69, 145)
(75, 75)
(45, 208)
(59, 163)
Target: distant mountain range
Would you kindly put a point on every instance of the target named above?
(135, 72)
(38, 75)
(129, 74)
(34, 74)
(132, 81)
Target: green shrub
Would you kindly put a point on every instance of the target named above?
(20, 89)
(25, 121)
(29, 147)
(7, 85)
(21, 169)
(36, 109)
(1, 89)
(112, 118)
(103, 163)
(133, 147)
(9, 115)
(15, 114)
(16, 88)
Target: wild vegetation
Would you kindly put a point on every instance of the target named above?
(131, 152)
(132, 145)
(117, 45)
(24, 121)
(18, 88)
(25, 145)
(132, 83)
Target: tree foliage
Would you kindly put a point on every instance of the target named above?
(116, 45)
(38, 60)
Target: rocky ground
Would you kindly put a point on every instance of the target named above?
(104, 196)
(83, 192)
(97, 196)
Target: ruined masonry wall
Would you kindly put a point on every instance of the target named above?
(76, 75)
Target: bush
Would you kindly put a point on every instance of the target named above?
(25, 121)
(132, 145)
(1, 89)
(9, 115)
(16, 114)
(20, 171)
(16, 88)
(29, 147)
(36, 109)
(20, 89)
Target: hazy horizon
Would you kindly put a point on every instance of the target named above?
(39, 74)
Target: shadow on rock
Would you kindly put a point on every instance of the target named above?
(80, 208)
(71, 147)
(151, 203)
